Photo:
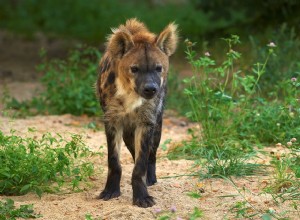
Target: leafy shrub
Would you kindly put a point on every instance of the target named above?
(42, 165)
(69, 85)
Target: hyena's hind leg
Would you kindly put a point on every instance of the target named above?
(151, 170)
(128, 137)
(112, 187)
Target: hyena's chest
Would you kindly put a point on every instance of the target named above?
(125, 109)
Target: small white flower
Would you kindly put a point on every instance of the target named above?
(278, 145)
(294, 79)
(293, 140)
(271, 44)
(207, 54)
(278, 124)
(257, 114)
(289, 143)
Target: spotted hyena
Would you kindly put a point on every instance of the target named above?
(132, 86)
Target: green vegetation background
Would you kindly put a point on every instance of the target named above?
(91, 20)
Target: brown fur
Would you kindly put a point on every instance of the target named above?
(130, 109)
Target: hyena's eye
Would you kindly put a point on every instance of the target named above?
(158, 68)
(134, 69)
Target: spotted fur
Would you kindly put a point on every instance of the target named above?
(131, 87)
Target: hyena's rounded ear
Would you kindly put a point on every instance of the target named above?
(167, 39)
(119, 43)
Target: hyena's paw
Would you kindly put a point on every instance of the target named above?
(145, 202)
(109, 194)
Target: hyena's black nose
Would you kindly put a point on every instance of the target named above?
(150, 90)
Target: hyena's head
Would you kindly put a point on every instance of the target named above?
(141, 59)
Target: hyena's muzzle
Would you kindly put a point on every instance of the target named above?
(147, 84)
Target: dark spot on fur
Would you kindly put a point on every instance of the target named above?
(111, 78)
(120, 102)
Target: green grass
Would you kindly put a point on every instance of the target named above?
(90, 217)
(172, 214)
(8, 211)
(285, 184)
(47, 164)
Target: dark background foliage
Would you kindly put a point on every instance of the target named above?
(90, 20)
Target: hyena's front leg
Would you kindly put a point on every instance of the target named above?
(143, 143)
(151, 170)
(112, 187)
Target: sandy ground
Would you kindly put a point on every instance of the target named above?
(218, 196)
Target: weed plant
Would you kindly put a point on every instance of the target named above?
(42, 165)
(284, 64)
(219, 94)
(8, 211)
(232, 112)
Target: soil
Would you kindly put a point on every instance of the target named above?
(218, 196)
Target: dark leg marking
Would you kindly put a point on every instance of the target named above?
(112, 187)
(128, 137)
(151, 170)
